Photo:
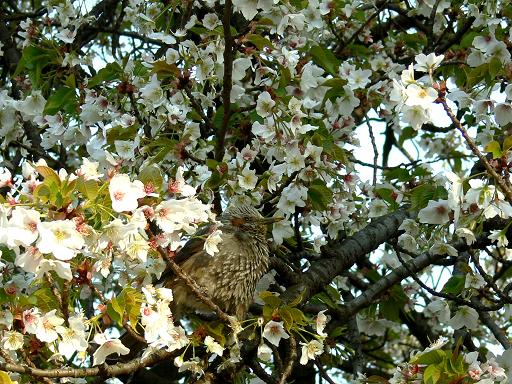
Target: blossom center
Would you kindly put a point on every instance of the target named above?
(118, 195)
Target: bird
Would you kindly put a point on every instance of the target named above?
(231, 274)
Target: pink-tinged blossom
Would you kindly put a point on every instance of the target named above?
(274, 332)
(474, 280)
(74, 337)
(503, 113)
(180, 186)
(177, 215)
(466, 234)
(30, 319)
(89, 169)
(500, 237)
(66, 35)
(5, 177)
(23, 226)
(416, 115)
(29, 260)
(436, 212)
(377, 208)
(321, 322)
(46, 327)
(152, 94)
(124, 193)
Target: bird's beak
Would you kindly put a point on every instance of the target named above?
(270, 220)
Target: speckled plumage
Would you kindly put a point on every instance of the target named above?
(230, 276)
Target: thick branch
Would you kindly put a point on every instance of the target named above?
(103, 370)
(339, 258)
(227, 82)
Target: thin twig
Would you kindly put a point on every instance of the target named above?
(375, 151)
(278, 191)
(194, 287)
(58, 296)
(499, 180)
(260, 372)
(433, 292)
(358, 32)
(323, 372)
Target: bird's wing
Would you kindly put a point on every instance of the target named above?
(193, 246)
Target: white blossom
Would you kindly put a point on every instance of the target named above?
(465, 317)
(274, 332)
(310, 351)
(124, 193)
(107, 347)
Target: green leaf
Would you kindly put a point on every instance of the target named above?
(42, 193)
(334, 83)
(121, 133)
(325, 59)
(64, 99)
(33, 60)
(259, 41)
(507, 143)
(212, 164)
(219, 116)
(390, 308)
(297, 300)
(113, 314)
(151, 173)
(388, 195)
(431, 375)
(89, 188)
(45, 299)
(454, 285)
(7, 254)
(338, 331)
(319, 195)
(112, 71)
(495, 67)
(436, 356)
(398, 173)
(215, 180)
(48, 174)
(422, 194)
(495, 148)
(406, 134)
(270, 299)
(333, 293)
(298, 316)
(162, 68)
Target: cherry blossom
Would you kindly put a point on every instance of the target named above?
(124, 193)
(274, 332)
(107, 347)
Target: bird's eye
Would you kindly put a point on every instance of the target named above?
(237, 221)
